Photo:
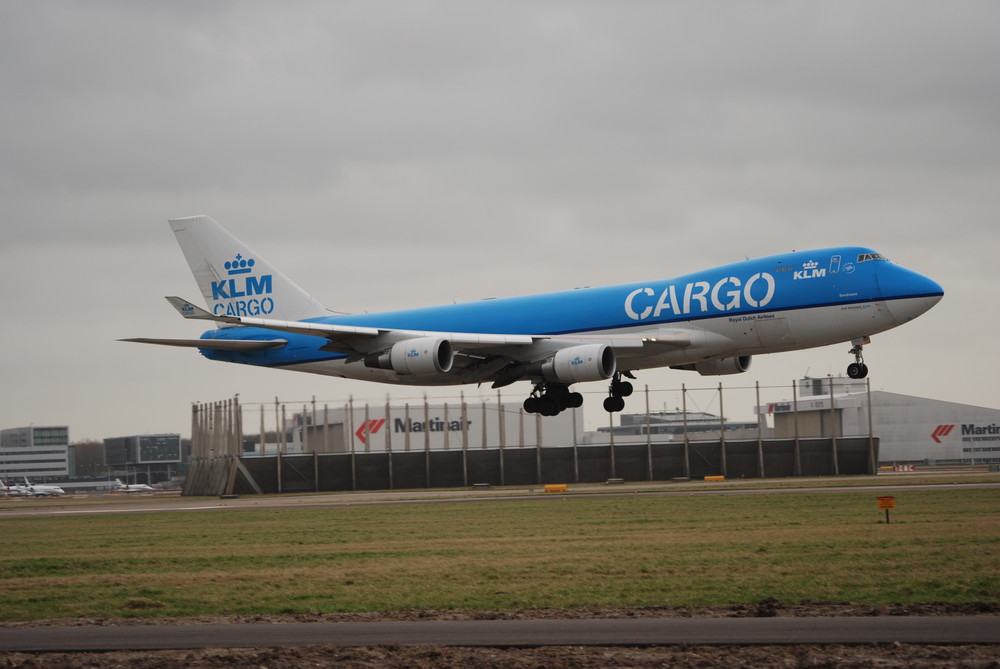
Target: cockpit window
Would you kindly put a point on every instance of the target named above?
(865, 257)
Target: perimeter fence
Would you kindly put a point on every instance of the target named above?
(821, 427)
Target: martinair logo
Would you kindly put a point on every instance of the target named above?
(374, 426)
(941, 431)
(369, 427)
(238, 295)
(970, 432)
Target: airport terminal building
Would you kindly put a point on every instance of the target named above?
(146, 458)
(38, 452)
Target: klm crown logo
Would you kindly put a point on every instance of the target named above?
(812, 264)
(239, 265)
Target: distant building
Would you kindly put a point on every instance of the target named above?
(148, 458)
(675, 425)
(36, 452)
(86, 460)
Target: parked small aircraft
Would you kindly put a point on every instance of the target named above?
(41, 489)
(132, 487)
(11, 491)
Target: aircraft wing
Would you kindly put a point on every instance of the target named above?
(501, 358)
(350, 339)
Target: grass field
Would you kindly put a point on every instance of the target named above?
(942, 545)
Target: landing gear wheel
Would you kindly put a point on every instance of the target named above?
(617, 391)
(857, 370)
(550, 399)
(621, 388)
(613, 404)
(550, 406)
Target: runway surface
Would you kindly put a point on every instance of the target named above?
(13, 508)
(513, 633)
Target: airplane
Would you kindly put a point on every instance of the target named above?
(712, 322)
(40, 489)
(132, 487)
(11, 491)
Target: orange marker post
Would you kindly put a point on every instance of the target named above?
(887, 503)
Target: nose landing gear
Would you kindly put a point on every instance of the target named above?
(858, 369)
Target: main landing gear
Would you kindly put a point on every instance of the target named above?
(617, 392)
(858, 369)
(550, 399)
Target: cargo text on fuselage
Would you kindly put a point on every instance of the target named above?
(701, 297)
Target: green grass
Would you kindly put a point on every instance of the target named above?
(633, 551)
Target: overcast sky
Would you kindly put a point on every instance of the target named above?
(399, 154)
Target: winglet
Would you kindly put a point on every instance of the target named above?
(188, 310)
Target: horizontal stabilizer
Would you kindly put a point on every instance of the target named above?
(242, 345)
(188, 310)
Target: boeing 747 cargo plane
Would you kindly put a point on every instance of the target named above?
(711, 322)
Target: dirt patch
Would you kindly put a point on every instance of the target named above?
(764, 609)
(441, 657)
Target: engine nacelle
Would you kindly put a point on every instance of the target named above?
(420, 356)
(734, 365)
(589, 362)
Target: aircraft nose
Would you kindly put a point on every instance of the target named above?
(907, 294)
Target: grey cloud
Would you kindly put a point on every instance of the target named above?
(393, 154)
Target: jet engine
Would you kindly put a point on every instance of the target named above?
(415, 357)
(734, 365)
(589, 362)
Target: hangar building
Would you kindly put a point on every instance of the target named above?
(911, 430)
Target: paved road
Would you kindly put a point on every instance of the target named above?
(519, 633)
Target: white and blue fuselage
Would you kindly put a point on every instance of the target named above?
(780, 303)
(710, 321)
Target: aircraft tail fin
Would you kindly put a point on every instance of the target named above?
(236, 281)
